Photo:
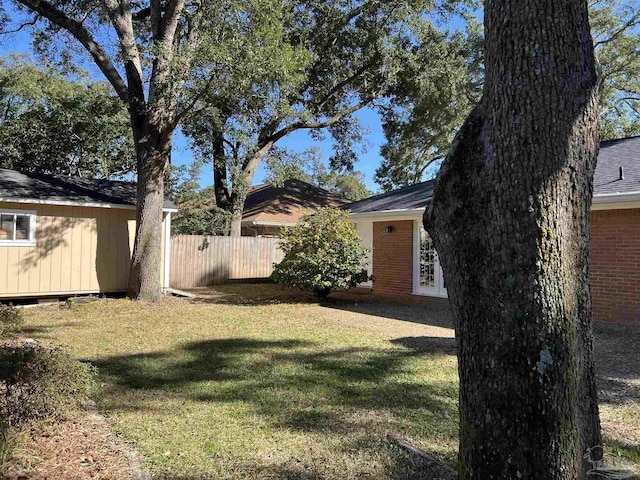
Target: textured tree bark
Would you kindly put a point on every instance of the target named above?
(153, 147)
(241, 182)
(510, 220)
(237, 207)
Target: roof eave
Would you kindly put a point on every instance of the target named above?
(414, 212)
(613, 201)
(266, 223)
(69, 203)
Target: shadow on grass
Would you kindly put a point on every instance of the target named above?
(289, 381)
(432, 311)
(251, 294)
(627, 452)
(617, 363)
(41, 332)
(443, 345)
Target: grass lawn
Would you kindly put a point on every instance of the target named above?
(254, 383)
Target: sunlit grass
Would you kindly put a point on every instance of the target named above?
(263, 389)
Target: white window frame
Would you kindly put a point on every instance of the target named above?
(439, 289)
(31, 241)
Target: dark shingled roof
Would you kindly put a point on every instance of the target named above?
(624, 152)
(39, 187)
(614, 154)
(407, 198)
(286, 204)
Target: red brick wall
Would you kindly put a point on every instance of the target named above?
(393, 258)
(615, 265)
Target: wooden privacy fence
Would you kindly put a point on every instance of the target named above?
(198, 260)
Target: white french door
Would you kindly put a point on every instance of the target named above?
(427, 273)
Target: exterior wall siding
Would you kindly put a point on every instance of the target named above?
(77, 250)
(393, 257)
(615, 265)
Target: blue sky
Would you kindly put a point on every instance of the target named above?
(368, 151)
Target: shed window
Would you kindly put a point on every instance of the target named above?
(17, 227)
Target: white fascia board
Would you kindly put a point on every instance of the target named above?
(600, 202)
(70, 203)
(400, 214)
(267, 224)
(616, 201)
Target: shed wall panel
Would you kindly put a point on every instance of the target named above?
(77, 250)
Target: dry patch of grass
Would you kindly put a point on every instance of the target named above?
(618, 369)
(79, 448)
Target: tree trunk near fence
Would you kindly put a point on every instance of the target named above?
(153, 148)
(510, 220)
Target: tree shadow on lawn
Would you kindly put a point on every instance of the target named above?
(272, 374)
(617, 363)
(432, 311)
(405, 466)
(251, 294)
(294, 385)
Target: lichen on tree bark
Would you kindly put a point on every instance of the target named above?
(510, 220)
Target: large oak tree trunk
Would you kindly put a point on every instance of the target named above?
(510, 221)
(153, 147)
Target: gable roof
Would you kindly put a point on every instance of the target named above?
(268, 204)
(56, 190)
(624, 152)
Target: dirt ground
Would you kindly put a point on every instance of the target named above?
(79, 448)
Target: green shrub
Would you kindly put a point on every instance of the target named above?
(10, 320)
(322, 252)
(37, 382)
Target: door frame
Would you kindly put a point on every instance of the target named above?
(439, 290)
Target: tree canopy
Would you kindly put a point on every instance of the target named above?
(615, 26)
(325, 61)
(428, 108)
(438, 86)
(50, 124)
(282, 165)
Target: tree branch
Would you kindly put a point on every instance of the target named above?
(188, 109)
(121, 17)
(265, 140)
(633, 21)
(169, 23)
(80, 33)
(25, 24)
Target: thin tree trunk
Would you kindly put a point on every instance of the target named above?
(510, 220)
(237, 207)
(241, 184)
(154, 151)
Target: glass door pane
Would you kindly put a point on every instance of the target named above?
(427, 261)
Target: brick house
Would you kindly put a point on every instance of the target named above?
(404, 261)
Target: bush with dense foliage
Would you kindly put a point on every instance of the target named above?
(38, 381)
(10, 320)
(321, 253)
